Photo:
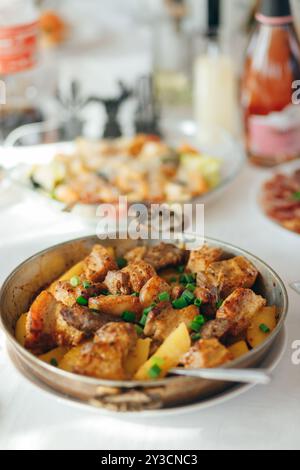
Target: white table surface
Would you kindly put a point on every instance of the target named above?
(263, 418)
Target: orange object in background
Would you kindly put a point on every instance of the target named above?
(53, 28)
(273, 64)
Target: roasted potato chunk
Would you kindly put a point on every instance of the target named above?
(40, 324)
(168, 355)
(162, 322)
(239, 309)
(206, 354)
(262, 325)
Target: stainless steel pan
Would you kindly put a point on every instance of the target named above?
(39, 271)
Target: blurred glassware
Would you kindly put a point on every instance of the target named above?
(147, 115)
(172, 54)
(215, 80)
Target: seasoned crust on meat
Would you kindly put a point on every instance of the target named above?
(215, 329)
(151, 290)
(66, 334)
(239, 309)
(206, 354)
(199, 260)
(98, 263)
(118, 282)
(139, 273)
(84, 319)
(228, 275)
(67, 294)
(116, 305)
(46, 328)
(163, 320)
(160, 256)
(105, 358)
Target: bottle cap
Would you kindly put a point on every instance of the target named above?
(274, 9)
(214, 17)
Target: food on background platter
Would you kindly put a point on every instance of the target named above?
(281, 200)
(137, 317)
(143, 168)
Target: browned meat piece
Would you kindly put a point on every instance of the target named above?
(139, 273)
(136, 254)
(118, 282)
(215, 329)
(160, 256)
(239, 309)
(105, 358)
(229, 275)
(163, 320)
(65, 293)
(199, 260)
(40, 324)
(98, 263)
(46, 328)
(66, 334)
(116, 305)
(85, 320)
(177, 292)
(151, 290)
(68, 295)
(206, 354)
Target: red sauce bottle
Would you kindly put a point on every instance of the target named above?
(272, 117)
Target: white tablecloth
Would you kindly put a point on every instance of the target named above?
(264, 418)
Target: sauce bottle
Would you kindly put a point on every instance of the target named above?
(18, 65)
(272, 120)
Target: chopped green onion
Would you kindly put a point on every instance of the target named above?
(158, 361)
(180, 303)
(75, 281)
(296, 196)
(54, 362)
(197, 323)
(82, 301)
(191, 287)
(219, 303)
(147, 310)
(145, 314)
(180, 269)
(187, 279)
(154, 372)
(264, 328)
(135, 294)
(122, 263)
(164, 297)
(198, 302)
(188, 296)
(196, 337)
(86, 284)
(129, 317)
(139, 330)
